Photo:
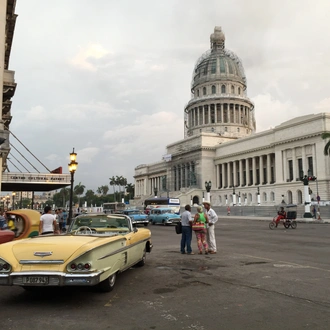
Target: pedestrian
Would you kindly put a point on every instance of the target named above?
(65, 218)
(48, 223)
(314, 212)
(186, 222)
(201, 217)
(212, 218)
(228, 210)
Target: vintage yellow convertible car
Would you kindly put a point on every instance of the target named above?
(93, 251)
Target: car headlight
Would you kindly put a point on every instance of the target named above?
(4, 266)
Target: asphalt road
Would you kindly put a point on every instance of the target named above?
(259, 279)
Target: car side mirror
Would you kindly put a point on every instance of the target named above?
(135, 230)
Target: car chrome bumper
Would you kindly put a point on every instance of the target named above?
(54, 279)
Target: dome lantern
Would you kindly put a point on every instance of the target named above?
(217, 39)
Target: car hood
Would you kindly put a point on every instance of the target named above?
(56, 247)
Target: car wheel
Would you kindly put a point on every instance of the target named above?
(146, 224)
(153, 222)
(142, 262)
(108, 284)
(164, 223)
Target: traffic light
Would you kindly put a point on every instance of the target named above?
(312, 178)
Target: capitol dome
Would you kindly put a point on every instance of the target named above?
(219, 103)
(218, 64)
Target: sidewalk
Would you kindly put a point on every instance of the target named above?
(269, 219)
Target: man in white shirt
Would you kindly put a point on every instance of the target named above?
(48, 223)
(213, 218)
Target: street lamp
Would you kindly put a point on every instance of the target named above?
(155, 192)
(7, 201)
(13, 195)
(208, 186)
(258, 196)
(72, 169)
(239, 199)
(226, 199)
(234, 197)
(305, 179)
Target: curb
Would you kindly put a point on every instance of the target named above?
(270, 219)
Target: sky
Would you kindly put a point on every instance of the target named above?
(111, 78)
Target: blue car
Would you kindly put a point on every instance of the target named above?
(137, 217)
(164, 216)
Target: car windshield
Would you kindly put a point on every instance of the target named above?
(133, 212)
(168, 211)
(100, 225)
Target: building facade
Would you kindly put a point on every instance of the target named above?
(221, 147)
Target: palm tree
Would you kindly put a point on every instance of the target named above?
(103, 190)
(326, 136)
(113, 184)
(65, 194)
(130, 189)
(79, 190)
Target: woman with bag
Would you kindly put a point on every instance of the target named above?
(199, 227)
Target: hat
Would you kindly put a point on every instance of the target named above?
(206, 202)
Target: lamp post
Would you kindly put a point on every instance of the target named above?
(72, 169)
(191, 200)
(13, 195)
(234, 197)
(208, 186)
(318, 198)
(305, 179)
(155, 192)
(7, 201)
(258, 196)
(226, 199)
(239, 199)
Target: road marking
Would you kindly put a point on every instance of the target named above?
(285, 262)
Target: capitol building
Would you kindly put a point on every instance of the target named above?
(222, 150)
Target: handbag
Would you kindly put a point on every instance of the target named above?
(178, 228)
(198, 226)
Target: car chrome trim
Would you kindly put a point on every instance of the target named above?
(123, 249)
(33, 262)
(42, 254)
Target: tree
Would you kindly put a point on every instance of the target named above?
(326, 136)
(79, 190)
(103, 190)
(130, 189)
(113, 184)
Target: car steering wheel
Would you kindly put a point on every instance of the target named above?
(82, 228)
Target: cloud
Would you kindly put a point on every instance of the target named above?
(271, 112)
(86, 55)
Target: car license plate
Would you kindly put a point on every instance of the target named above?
(35, 279)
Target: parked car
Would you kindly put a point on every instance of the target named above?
(94, 250)
(137, 217)
(26, 225)
(165, 216)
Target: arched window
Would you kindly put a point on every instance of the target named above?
(197, 92)
(225, 129)
(213, 89)
(204, 90)
(238, 129)
(232, 89)
(239, 90)
(223, 89)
